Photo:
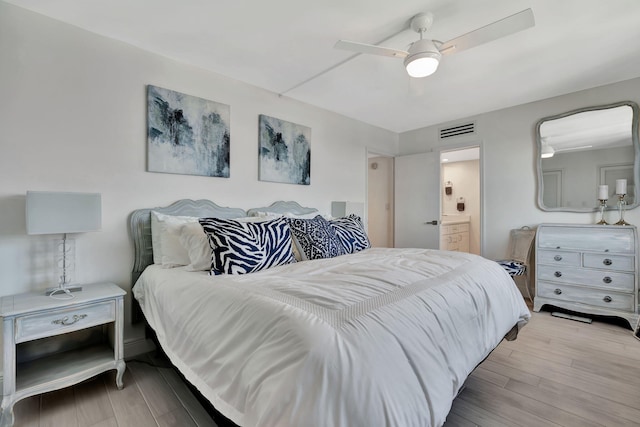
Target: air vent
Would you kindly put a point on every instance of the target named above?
(458, 130)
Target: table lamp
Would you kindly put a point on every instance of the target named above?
(49, 212)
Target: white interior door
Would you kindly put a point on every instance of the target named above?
(417, 201)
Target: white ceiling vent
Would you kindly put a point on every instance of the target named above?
(458, 130)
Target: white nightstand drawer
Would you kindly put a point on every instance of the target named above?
(610, 262)
(559, 258)
(594, 297)
(56, 322)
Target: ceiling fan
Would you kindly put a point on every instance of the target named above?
(423, 57)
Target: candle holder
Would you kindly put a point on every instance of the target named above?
(603, 206)
(621, 207)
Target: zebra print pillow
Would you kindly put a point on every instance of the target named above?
(315, 238)
(247, 247)
(350, 233)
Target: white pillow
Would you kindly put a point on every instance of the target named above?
(261, 214)
(196, 242)
(165, 239)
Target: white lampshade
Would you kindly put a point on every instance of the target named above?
(423, 59)
(49, 212)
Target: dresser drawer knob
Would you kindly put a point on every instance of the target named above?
(607, 299)
(66, 322)
(558, 274)
(557, 258)
(607, 279)
(557, 291)
(607, 261)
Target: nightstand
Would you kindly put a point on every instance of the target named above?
(32, 316)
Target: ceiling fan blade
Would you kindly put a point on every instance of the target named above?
(504, 27)
(370, 49)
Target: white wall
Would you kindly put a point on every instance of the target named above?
(509, 167)
(580, 185)
(73, 118)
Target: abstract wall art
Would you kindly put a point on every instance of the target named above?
(186, 134)
(285, 152)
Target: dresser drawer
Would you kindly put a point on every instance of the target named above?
(454, 228)
(36, 326)
(610, 262)
(602, 239)
(594, 297)
(559, 258)
(624, 282)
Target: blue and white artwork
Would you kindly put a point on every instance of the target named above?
(186, 134)
(285, 152)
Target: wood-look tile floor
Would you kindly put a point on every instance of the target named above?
(557, 373)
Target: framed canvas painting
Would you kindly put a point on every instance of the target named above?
(186, 134)
(285, 152)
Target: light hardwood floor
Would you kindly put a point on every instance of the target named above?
(557, 373)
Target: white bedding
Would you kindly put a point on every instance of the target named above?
(383, 337)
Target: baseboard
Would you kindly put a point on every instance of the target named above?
(136, 347)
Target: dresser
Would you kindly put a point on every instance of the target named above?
(589, 269)
(454, 236)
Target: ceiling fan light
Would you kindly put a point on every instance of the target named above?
(423, 59)
(422, 67)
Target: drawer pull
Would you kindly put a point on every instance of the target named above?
(557, 291)
(557, 274)
(607, 279)
(65, 320)
(607, 299)
(607, 261)
(557, 258)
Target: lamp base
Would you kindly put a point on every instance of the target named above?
(622, 222)
(65, 290)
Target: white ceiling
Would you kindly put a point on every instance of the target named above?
(278, 44)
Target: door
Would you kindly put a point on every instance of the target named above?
(417, 201)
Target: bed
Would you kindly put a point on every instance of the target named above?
(378, 337)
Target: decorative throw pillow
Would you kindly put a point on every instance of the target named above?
(315, 237)
(350, 233)
(247, 247)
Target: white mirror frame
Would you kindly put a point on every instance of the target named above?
(636, 164)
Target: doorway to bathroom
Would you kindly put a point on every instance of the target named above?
(461, 200)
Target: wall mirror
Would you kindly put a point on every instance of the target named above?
(582, 149)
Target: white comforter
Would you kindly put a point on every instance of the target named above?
(384, 337)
